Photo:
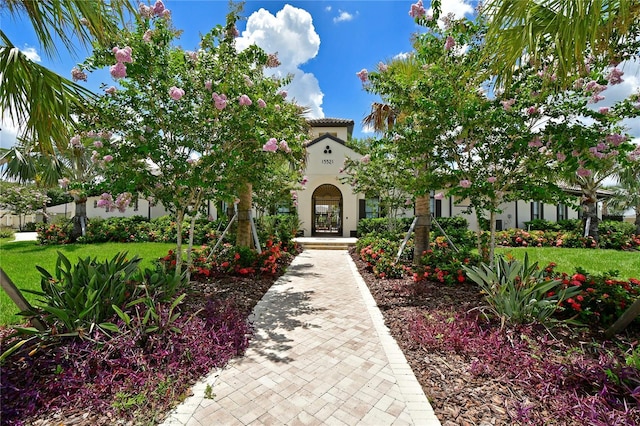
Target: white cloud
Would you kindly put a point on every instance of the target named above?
(8, 133)
(328, 8)
(458, 7)
(292, 35)
(343, 17)
(31, 54)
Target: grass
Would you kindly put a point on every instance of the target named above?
(627, 263)
(18, 260)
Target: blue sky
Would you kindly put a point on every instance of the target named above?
(322, 42)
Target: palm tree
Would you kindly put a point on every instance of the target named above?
(570, 30)
(627, 192)
(35, 98)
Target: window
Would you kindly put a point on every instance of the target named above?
(537, 210)
(135, 206)
(372, 208)
(562, 212)
(436, 206)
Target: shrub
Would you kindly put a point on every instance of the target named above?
(7, 232)
(51, 234)
(444, 265)
(602, 297)
(80, 297)
(519, 292)
(380, 225)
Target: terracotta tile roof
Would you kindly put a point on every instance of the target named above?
(330, 122)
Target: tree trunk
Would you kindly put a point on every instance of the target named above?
(423, 228)
(637, 222)
(492, 240)
(80, 218)
(192, 227)
(179, 220)
(244, 236)
(590, 216)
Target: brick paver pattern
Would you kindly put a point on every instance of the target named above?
(321, 355)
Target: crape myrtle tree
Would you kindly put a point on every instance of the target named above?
(426, 98)
(587, 143)
(378, 174)
(627, 191)
(183, 127)
(22, 200)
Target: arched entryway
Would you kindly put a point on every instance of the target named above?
(327, 211)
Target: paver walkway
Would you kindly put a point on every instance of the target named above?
(321, 355)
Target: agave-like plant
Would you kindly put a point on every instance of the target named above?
(518, 292)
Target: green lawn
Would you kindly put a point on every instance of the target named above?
(593, 261)
(18, 260)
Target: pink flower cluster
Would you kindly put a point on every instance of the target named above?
(366, 159)
(615, 76)
(76, 142)
(507, 104)
(382, 67)
(111, 90)
(247, 80)
(615, 139)
(449, 43)
(271, 145)
(121, 203)
(272, 60)
(64, 183)
(176, 93)
(119, 70)
(417, 10)
(262, 103)
(245, 100)
(595, 89)
(536, 142)
(363, 75)
(220, 101)
(78, 75)
(465, 183)
(158, 9)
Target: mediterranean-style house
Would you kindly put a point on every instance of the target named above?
(328, 207)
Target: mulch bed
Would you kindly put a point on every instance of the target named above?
(457, 396)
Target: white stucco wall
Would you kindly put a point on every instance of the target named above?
(325, 159)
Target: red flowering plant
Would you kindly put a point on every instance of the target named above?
(602, 299)
(443, 264)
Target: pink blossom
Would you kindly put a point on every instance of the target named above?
(166, 14)
(417, 10)
(439, 196)
(76, 141)
(602, 146)
(615, 76)
(244, 100)
(382, 67)
(97, 144)
(107, 158)
(147, 36)
(262, 103)
(615, 139)
(583, 172)
(532, 110)
(158, 8)
(561, 157)
(595, 99)
(176, 93)
(272, 60)
(78, 75)
(208, 84)
(122, 201)
(277, 107)
(219, 100)
(123, 55)
(192, 55)
(95, 157)
(603, 110)
(247, 80)
(449, 43)
(465, 183)
(593, 87)
(536, 142)
(271, 145)
(145, 11)
(105, 200)
(363, 75)
(283, 93)
(575, 153)
(118, 70)
(508, 104)
(111, 90)
(492, 179)
(236, 33)
(366, 159)
(64, 182)
(285, 147)
(304, 180)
